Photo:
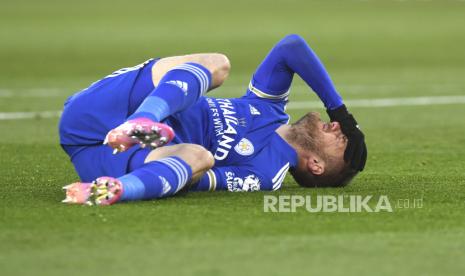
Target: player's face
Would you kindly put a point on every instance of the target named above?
(323, 137)
(333, 141)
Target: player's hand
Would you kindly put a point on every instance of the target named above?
(356, 151)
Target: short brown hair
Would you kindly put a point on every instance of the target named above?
(339, 177)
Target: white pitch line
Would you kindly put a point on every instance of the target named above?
(384, 102)
(50, 92)
(29, 115)
(34, 93)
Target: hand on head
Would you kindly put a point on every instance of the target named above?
(356, 151)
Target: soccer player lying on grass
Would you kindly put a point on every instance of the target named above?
(240, 144)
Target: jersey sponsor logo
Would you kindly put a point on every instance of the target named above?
(244, 147)
(165, 184)
(253, 110)
(225, 132)
(180, 84)
(237, 184)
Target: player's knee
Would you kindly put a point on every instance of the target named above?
(220, 67)
(208, 159)
(204, 157)
(197, 157)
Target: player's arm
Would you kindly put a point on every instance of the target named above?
(273, 79)
(217, 64)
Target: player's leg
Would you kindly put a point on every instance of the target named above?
(200, 159)
(217, 64)
(180, 81)
(166, 171)
(292, 54)
(181, 86)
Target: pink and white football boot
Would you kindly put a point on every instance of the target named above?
(103, 191)
(141, 130)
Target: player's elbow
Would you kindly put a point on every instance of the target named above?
(293, 42)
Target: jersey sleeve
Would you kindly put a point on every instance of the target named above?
(257, 91)
(277, 99)
(233, 179)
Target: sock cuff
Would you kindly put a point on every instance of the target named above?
(182, 170)
(133, 188)
(202, 74)
(154, 108)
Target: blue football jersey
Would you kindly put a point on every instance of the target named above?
(239, 132)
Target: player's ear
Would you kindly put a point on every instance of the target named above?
(315, 164)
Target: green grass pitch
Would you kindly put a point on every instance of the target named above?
(373, 49)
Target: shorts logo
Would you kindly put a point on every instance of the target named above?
(244, 147)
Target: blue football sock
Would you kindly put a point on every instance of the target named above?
(293, 55)
(156, 179)
(178, 89)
